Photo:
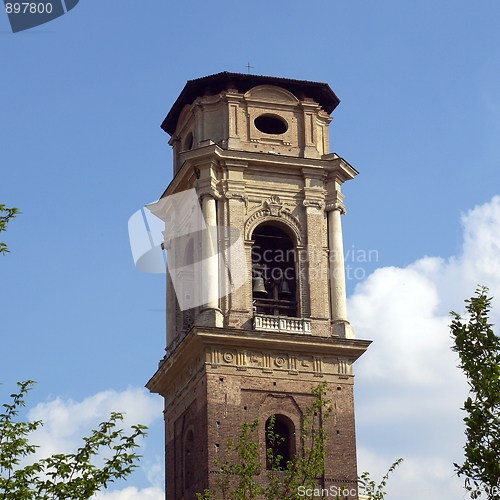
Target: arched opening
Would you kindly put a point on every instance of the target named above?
(274, 279)
(280, 442)
(188, 142)
(189, 459)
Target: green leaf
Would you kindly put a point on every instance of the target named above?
(478, 348)
(62, 476)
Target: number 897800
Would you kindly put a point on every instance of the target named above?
(28, 8)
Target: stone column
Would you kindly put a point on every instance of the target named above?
(336, 258)
(210, 314)
(210, 268)
(340, 325)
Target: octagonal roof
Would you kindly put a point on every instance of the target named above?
(214, 84)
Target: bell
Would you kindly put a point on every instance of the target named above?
(258, 285)
(284, 289)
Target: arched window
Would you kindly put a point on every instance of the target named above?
(188, 142)
(189, 459)
(280, 442)
(274, 278)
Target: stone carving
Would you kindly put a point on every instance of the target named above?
(344, 367)
(274, 205)
(319, 204)
(215, 357)
(280, 361)
(244, 360)
(228, 357)
(318, 367)
(337, 205)
(274, 208)
(335, 202)
(241, 360)
(232, 195)
(208, 192)
(256, 360)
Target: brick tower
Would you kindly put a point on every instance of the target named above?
(263, 318)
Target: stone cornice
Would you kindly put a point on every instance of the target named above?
(195, 344)
(332, 165)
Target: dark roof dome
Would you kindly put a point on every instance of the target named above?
(214, 84)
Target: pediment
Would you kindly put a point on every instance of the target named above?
(271, 93)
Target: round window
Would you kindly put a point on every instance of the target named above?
(271, 124)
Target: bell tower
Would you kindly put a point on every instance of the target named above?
(256, 298)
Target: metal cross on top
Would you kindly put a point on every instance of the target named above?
(248, 67)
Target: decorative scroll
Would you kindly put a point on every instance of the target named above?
(319, 204)
(280, 361)
(228, 357)
(336, 206)
(232, 195)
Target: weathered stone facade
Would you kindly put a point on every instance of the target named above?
(256, 150)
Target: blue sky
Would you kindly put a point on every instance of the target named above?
(81, 150)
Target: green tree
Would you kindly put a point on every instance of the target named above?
(60, 476)
(10, 213)
(370, 488)
(240, 472)
(478, 349)
(304, 469)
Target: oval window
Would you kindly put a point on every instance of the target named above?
(271, 124)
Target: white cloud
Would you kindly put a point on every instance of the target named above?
(155, 471)
(478, 263)
(132, 493)
(408, 388)
(67, 421)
